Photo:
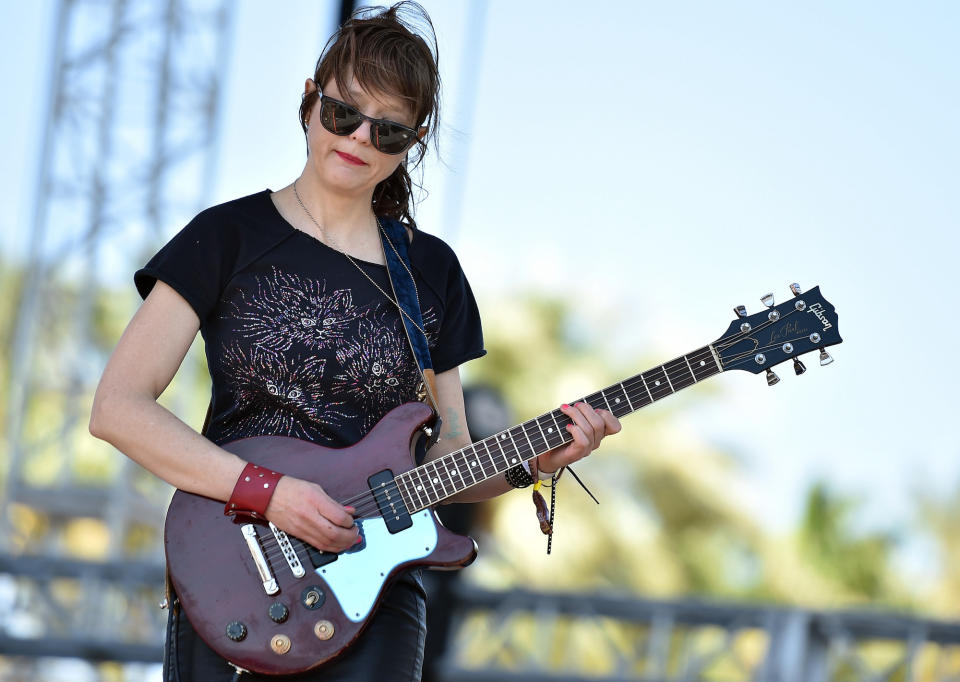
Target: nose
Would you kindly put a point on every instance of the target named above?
(362, 134)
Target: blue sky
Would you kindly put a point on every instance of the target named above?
(657, 164)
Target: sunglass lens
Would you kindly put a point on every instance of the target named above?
(339, 118)
(391, 139)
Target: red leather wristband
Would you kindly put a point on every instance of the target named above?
(252, 493)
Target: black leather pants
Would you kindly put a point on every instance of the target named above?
(391, 648)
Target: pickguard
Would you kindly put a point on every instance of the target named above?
(355, 578)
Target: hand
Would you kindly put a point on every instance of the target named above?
(303, 509)
(588, 429)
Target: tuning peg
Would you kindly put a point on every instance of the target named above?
(795, 289)
(767, 300)
(798, 366)
(772, 378)
(825, 358)
(740, 310)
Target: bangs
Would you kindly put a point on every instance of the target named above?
(387, 60)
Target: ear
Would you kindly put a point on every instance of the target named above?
(422, 132)
(309, 86)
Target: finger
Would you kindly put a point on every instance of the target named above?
(611, 423)
(591, 423)
(335, 512)
(580, 447)
(579, 419)
(596, 423)
(335, 537)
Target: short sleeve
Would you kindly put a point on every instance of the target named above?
(196, 263)
(460, 337)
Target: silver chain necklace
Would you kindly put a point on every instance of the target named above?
(330, 242)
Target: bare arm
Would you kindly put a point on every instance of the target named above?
(126, 414)
(454, 435)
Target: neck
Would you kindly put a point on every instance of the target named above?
(345, 219)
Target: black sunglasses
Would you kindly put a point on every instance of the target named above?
(386, 136)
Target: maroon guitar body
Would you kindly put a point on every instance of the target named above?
(279, 607)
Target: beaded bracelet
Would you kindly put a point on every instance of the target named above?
(252, 493)
(518, 477)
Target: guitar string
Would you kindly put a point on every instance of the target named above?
(537, 442)
(672, 370)
(678, 370)
(447, 469)
(443, 477)
(665, 368)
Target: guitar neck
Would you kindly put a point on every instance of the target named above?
(439, 479)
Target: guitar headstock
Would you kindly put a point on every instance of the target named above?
(756, 343)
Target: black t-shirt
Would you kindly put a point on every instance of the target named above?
(298, 341)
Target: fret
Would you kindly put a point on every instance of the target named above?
(523, 428)
(690, 368)
(407, 492)
(702, 366)
(422, 487)
(515, 460)
(627, 396)
(553, 431)
(646, 387)
(658, 386)
(669, 383)
(496, 469)
(618, 409)
(604, 396)
(471, 465)
(425, 482)
(638, 388)
(679, 379)
(438, 479)
(560, 431)
(456, 477)
(499, 442)
(543, 435)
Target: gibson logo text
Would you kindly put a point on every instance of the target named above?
(817, 310)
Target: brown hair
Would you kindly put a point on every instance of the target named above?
(392, 51)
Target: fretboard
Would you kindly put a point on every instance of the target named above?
(457, 471)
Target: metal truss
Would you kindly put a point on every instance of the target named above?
(534, 637)
(129, 147)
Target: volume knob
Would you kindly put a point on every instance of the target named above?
(236, 631)
(278, 612)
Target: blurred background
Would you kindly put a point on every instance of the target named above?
(614, 178)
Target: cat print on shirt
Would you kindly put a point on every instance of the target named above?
(308, 358)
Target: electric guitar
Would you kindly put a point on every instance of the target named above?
(269, 603)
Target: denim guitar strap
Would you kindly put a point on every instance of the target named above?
(394, 237)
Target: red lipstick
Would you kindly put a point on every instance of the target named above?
(351, 159)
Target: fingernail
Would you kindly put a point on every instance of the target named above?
(357, 541)
(350, 510)
(565, 406)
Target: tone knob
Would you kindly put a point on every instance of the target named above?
(236, 631)
(278, 612)
(323, 629)
(280, 644)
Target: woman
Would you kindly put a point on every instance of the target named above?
(303, 337)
